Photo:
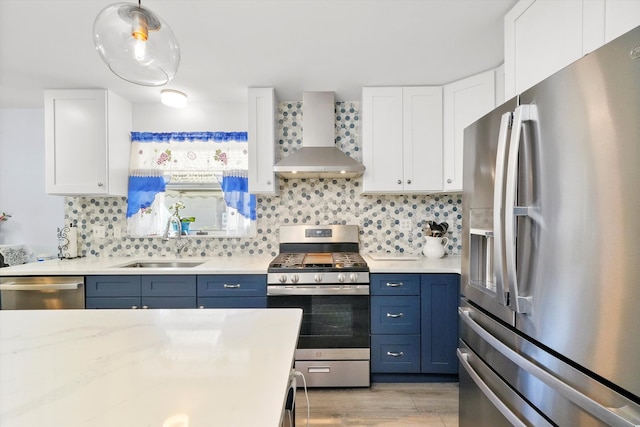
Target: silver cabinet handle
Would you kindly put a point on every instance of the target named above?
(408, 181)
(269, 182)
(100, 184)
(12, 286)
(399, 181)
(449, 181)
(395, 316)
(144, 307)
(319, 370)
(201, 306)
(394, 284)
(134, 307)
(231, 285)
(495, 400)
(395, 354)
(609, 415)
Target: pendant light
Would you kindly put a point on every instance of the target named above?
(136, 44)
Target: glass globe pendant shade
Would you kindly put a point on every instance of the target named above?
(136, 44)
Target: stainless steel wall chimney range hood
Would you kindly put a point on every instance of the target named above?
(318, 157)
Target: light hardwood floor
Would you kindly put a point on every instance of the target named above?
(424, 404)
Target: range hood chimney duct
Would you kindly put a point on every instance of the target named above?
(318, 157)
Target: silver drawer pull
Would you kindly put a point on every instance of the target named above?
(395, 354)
(232, 285)
(394, 285)
(395, 316)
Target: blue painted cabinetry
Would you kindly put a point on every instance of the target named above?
(232, 291)
(414, 323)
(177, 291)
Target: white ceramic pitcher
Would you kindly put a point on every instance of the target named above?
(434, 247)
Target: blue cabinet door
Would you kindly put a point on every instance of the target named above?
(395, 284)
(239, 285)
(169, 286)
(395, 353)
(113, 302)
(395, 315)
(439, 300)
(112, 286)
(231, 302)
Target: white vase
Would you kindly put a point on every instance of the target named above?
(434, 247)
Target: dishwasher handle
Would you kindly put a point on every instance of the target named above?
(13, 286)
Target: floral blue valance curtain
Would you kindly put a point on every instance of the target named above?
(157, 158)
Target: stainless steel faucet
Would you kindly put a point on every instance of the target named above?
(180, 244)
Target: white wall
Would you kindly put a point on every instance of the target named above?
(35, 214)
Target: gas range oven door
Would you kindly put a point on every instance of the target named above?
(333, 347)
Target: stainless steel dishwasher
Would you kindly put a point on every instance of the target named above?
(42, 293)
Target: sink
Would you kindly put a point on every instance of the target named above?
(161, 264)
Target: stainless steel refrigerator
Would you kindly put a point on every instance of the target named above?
(550, 308)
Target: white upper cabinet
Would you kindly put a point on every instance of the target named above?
(544, 36)
(262, 141)
(541, 37)
(465, 101)
(87, 142)
(402, 139)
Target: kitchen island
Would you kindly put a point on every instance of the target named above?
(160, 368)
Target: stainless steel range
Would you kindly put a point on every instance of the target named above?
(319, 269)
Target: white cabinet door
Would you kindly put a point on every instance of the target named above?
(87, 142)
(541, 37)
(262, 141)
(422, 139)
(465, 101)
(620, 16)
(382, 143)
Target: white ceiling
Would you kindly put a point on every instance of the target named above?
(229, 45)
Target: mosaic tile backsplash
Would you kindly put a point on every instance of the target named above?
(308, 201)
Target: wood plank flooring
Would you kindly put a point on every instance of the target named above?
(424, 404)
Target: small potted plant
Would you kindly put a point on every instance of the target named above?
(185, 223)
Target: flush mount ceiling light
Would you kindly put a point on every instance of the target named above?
(136, 44)
(173, 98)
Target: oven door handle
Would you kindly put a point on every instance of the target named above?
(317, 290)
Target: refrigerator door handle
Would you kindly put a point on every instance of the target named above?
(498, 209)
(522, 114)
(615, 417)
(486, 390)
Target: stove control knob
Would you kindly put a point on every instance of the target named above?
(295, 278)
(353, 277)
(317, 278)
(341, 278)
(282, 279)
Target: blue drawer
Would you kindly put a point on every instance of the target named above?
(169, 286)
(169, 302)
(395, 315)
(395, 284)
(395, 353)
(113, 302)
(231, 302)
(112, 286)
(250, 285)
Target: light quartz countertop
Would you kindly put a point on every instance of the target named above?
(157, 368)
(255, 264)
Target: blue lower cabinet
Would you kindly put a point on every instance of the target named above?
(232, 302)
(169, 286)
(395, 353)
(113, 302)
(169, 302)
(439, 299)
(232, 291)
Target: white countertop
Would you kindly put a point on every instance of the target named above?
(396, 264)
(151, 368)
(254, 264)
